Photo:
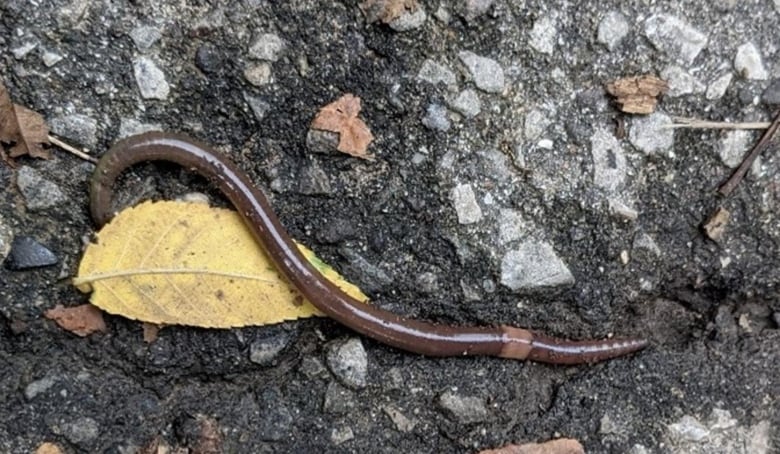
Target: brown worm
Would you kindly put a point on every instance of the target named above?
(407, 334)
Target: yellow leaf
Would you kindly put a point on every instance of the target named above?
(178, 263)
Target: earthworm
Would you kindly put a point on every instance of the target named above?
(407, 334)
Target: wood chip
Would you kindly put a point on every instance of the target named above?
(716, 224)
(637, 94)
(387, 11)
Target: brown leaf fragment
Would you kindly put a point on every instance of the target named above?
(387, 11)
(23, 128)
(151, 330)
(637, 94)
(715, 226)
(80, 320)
(559, 446)
(209, 439)
(341, 116)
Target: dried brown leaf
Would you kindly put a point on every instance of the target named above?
(341, 116)
(48, 448)
(559, 446)
(23, 128)
(715, 226)
(80, 320)
(151, 330)
(209, 439)
(387, 11)
(637, 94)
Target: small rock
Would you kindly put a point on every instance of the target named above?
(27, 253)
(145, 37)
(466, 103)
(268, 47)
(37, 387)
(401, 422)
(536, 123)
(675, 37)
(409, 20)
(532, 265)
(130, 126)
(473, 9)
(487, 73)
(427, 283)
(464, 409)
(544, 34)
(349, 363)
(436, 118)
(443, 13)
(511, 226)
(434, 73)
(313, 180)
(772, 93)
(6, 238)
(649, 135)
(341, 435)
(721, 419)
(733, 145)
(81, 431)
(607, 426)
(264, 351)
(612, 29)
(681, 82)
(209, 59)
(39, 193)
(338, 400)
(150, 79)
(78, 128)
(312, 367)
(689, 429)
(465, 203)
(716, 224)
(645, 242)
(277, 419)
(318, 141)
(609, 161)
(718, 86)
(748, 63)
(621, 209)
(50, 58)
(259, 107)
(373, 277)
(23, 49)
(258, 74)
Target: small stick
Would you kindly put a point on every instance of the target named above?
(726, 188)
(72, 150)
(694, 123)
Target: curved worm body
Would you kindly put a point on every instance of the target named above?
(411, 335)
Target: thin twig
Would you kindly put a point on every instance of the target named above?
(72, 150)
(695, 123)
(726, 188)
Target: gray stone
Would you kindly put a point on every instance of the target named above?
(259, 107)
(130, 126)
(544, 35)
(532, 265)
(401, 422)
(145, 36)
(511, 226)
(265, 351)
(748, 63)
(473, 9)
(465, 203)
(487, 74)
(464, 409)
(76, 127)
(37, 387)
(314, 181)
(6, 238)
(150, 79)
(51, 58)
(338, 400)
(435, 73)
(341, 434)
(609, 161)
(258, 74)
(612, 29)
(733, 145)
(622, 210)
(466, 103)
(427, 282)
(39, 193)
(436, 117)
(645, 242)
(268, 47)
(312, 368)
(681, 82)
(772, 93)
(373, 278)
(689, 428)
(536, 123)
(409, 20)
(81, 430)
(649, 135)
(718, 86)
(23, 49)
(349, 363)
(324, 142)
(675, 38)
